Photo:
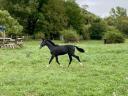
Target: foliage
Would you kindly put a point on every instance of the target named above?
(11, 24)
(39, 35)
(27, 12)
(86, 32)
(74, 14)
(88, 17)
(110, 21)
(55, 18)
(118, 18)
(97, 29)
(118, 12)
(122, 25)
(70, 35)
(114, 36)
(54, 15)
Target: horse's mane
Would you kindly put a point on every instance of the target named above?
(52, 43)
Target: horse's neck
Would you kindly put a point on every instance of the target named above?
(50, 46)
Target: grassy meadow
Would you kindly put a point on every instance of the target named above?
(23, 71)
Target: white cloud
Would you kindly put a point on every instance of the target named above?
(103, 7)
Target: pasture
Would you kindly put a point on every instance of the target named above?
(23, 71)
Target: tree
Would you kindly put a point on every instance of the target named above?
(97, 29)
(86, 32)
(88, 17)
(74, 14)
(122, 25)
(110, 21)
(118, 12)
(118, 18)
(11, 24)
(52, 16)
(55, 19)
(27, 12)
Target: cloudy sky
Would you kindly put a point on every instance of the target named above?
(102, 7)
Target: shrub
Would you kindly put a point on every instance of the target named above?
(70, 35)
(39, 35)
(97, 30)
(114, 36)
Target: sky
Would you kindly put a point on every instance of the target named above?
(102, 7)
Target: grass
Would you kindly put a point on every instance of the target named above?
(23, 72)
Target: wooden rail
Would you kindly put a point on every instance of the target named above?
(11, 43)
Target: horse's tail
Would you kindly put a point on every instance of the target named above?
(80, 49)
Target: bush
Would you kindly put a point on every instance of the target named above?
(97, 30)
(70, 35)
(114, 36)
(39, 35)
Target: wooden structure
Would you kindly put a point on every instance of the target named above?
(11, 43)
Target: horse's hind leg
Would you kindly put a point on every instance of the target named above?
(77, 57)
(70, 58)
(57, 60)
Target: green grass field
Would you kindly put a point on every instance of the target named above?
(23, 72)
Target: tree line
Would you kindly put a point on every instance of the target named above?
(53, 18)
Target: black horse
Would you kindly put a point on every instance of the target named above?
(57, 50)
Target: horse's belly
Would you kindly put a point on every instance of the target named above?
(61, 52)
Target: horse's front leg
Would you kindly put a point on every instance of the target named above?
(70, 58)
(52, 57)
(57, 60)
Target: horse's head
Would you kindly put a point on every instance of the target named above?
(47, 42)
(43, 43)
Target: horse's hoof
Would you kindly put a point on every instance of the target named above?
(61, 65)
(81, 64)
(47, 66)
